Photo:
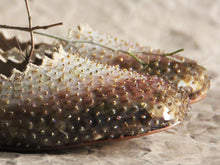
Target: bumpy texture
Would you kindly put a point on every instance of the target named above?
(181, 72)
(91, 91)
(69, 100)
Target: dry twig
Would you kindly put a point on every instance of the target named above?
(130, 53)
(30, 28)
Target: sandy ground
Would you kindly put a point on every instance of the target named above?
(169, 25)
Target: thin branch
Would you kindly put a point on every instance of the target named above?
(91, 42)
(30, 29)
(174, 52)
(132, 54)
(47, 26)
(160, 54)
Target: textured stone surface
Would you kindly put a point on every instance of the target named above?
(169, 25)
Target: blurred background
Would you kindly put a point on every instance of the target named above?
(168, 25)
